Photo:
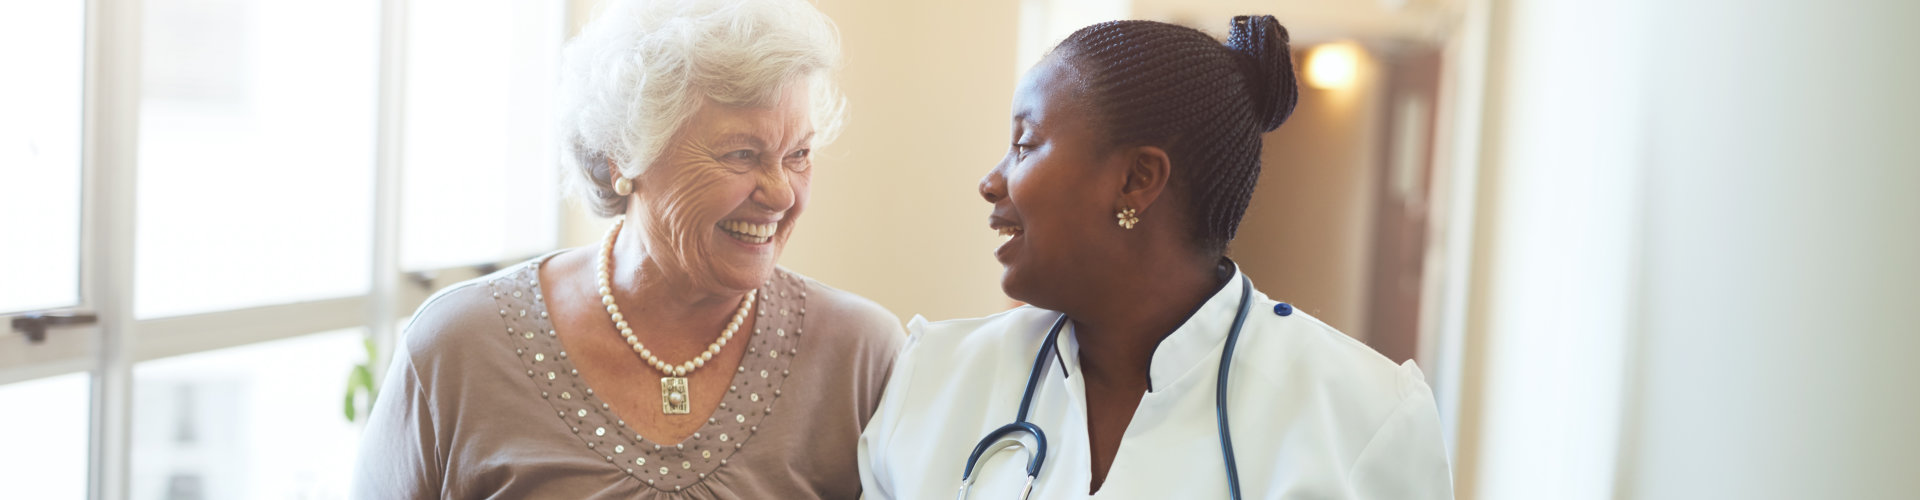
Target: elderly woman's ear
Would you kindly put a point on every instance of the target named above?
(622, 185)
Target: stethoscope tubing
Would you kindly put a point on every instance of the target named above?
(1220, 389)
(1020, 423)
(1039, 455)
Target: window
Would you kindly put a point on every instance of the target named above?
(256, 421)
(42, 48)
(55, 409)
(234, 188)
(256, 153)
(480, 178)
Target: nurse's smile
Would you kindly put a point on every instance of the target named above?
(1009, 235)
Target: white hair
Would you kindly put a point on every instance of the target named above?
(643, 67)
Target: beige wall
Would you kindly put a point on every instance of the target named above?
(1311, 21)
(895, 215)
(1307, 235)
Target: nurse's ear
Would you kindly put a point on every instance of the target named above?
(1147, 170)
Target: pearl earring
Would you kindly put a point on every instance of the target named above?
(1127, 218)
(623, 186)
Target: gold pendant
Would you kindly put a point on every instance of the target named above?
(674, 398)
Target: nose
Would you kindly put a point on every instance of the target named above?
(775, 192)
(993, 187)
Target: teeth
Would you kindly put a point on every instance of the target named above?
(1009, 232)
(748, 232)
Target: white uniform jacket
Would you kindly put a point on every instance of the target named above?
(1313, 413)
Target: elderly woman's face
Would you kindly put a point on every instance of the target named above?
(724, 195)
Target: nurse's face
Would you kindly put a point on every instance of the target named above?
(1055, 192)
(722, 200)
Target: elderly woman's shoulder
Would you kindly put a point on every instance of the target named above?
(462, 315)
(842, 316)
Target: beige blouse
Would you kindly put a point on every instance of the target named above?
(482, 401)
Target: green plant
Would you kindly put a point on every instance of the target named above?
(360, 389)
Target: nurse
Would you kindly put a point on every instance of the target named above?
(1134, 153)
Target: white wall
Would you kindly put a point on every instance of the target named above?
(1553, 310)
(1698, 278)
(1779, 338)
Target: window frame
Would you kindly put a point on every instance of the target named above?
(117, 340)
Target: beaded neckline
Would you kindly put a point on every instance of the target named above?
(750, 400)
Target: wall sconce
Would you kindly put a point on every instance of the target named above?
(1333, 65)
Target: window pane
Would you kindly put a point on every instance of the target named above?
(480, 181)
(257, 421)
(45, 438)
(41, 48)
(256, 152)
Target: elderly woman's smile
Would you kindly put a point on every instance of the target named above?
(749, 232)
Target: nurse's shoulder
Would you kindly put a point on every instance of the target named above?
(979, 342)
(962, 363)
(1313, 356)
(947, 378)
(1376, 417)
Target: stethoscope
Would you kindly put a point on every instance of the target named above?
(998, 439)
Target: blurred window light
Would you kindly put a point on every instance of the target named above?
(479, 181)
(1332, 66)
(1044, 23)
(41, 49)
(257, 421)
(257, 128)
(45, 438)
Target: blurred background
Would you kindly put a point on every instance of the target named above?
(1660, 249)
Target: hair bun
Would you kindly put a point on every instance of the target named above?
(1269, 68)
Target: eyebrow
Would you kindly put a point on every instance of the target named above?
(754, 140)
(742, 138)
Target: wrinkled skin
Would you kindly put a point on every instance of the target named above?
(728, 163)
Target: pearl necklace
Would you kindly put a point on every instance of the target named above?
(675, 398)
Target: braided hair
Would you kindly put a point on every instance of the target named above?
(1157, 84)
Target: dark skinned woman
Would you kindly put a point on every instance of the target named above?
(1146, 365)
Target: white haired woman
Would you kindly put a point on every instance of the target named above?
(676, 360)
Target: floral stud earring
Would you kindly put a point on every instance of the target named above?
(1127, 218)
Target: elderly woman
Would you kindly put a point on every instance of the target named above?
(1157, 369)
(676, 359)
